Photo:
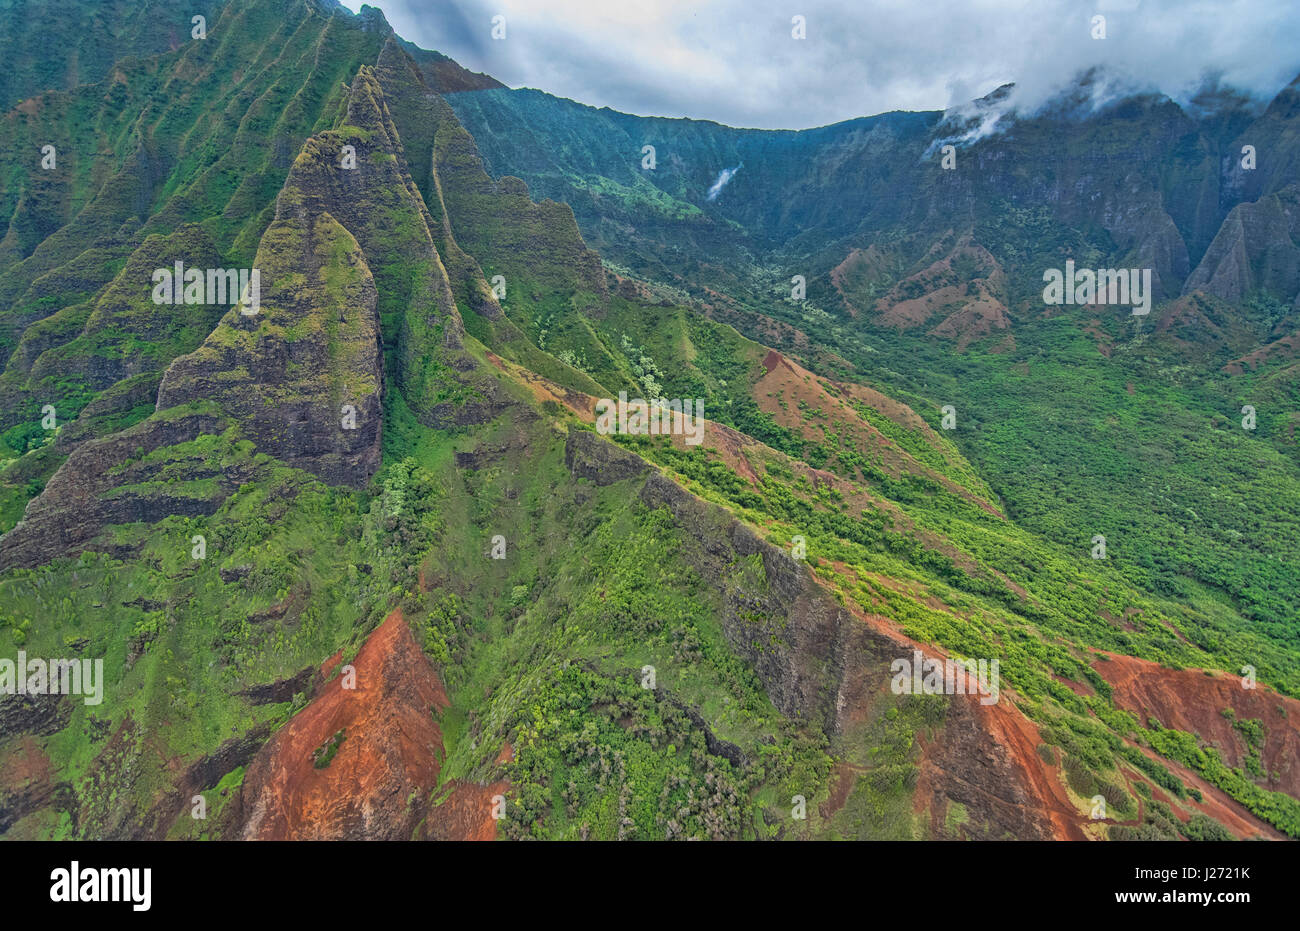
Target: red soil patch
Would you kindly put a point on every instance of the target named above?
(1078, 688)
(380, 781)
(327, 667)
(23, 766)
(788, 382)
(1188, 310)
(729, 443)
(733, 448)
(1190, 324)
(25, 783)
(1190, 700)
(543, 389)
(1019, 737)
(1104, 343)
(967, 298)
(870, 262)
(896, 411)
(760, 327)
(381, 773)
(975, 320)
(996, 751)
(842, 780)
(1001, 726)
(466, 814)
(1286, 347)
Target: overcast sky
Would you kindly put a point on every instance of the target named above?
(735, 61)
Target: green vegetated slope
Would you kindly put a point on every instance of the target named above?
(176, 157)
(215, 552)
(1152, 405)
(1085, 421)
(291, 570)
(91, 40)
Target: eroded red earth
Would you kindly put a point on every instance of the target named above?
(1191, 700)
(385, 768)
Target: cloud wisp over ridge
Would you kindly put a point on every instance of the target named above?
(737, 62)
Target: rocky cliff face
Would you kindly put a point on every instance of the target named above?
(163, 135)
(536, 244)
(303, 375)
(121, 479)
(379, 203)
(419, 114)
(139, 29)
(1255, 249)
(348, 257)
(1159, 180)
(387, 227)
(829, 668)
(125, 333)
(370, 198)
(1275, 137)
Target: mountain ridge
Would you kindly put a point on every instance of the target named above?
(212, 525)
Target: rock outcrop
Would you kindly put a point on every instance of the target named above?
(303, 374)
(357, 763)
(118, 480)
(1255, 249)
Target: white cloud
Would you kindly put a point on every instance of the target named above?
(735, 61)
(723, 177)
